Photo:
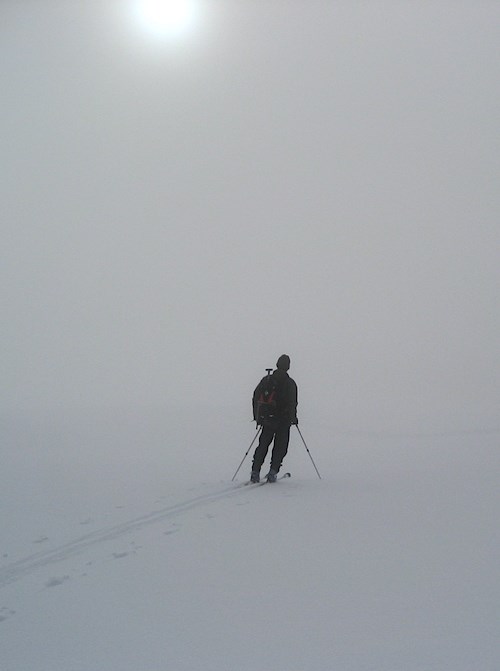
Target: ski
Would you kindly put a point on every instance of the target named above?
(280, 477)
(249, 483)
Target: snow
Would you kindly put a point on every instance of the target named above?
(125, 546)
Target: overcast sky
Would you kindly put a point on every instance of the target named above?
(318, 178)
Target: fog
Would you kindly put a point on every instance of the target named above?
(315, 178)
(178, 209)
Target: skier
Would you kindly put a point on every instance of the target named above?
(275, 409)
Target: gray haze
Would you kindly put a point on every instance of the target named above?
(316, 178)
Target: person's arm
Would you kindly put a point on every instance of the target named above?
(255, 400)
(294, 401)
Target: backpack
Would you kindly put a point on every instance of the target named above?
(267, 400)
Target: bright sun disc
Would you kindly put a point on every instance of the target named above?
(166, 16)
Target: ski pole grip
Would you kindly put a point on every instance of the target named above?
(269, 371)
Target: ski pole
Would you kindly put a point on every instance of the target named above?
(305, 445)
(253, 441)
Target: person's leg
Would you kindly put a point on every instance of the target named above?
(280, 448)
(261, 450)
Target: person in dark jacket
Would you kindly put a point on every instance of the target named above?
(276, 425)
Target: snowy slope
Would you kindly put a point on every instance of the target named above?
(125, 546)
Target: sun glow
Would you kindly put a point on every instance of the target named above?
(166, 17)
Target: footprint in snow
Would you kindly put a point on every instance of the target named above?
(170, 532)
(5, 613)
(173, 530)
(120, 555)
(54, 582)
(41, 539)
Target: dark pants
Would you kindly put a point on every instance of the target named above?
(281, 434)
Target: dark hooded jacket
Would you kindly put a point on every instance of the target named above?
(287, 397)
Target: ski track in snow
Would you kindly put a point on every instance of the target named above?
(28, 565)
